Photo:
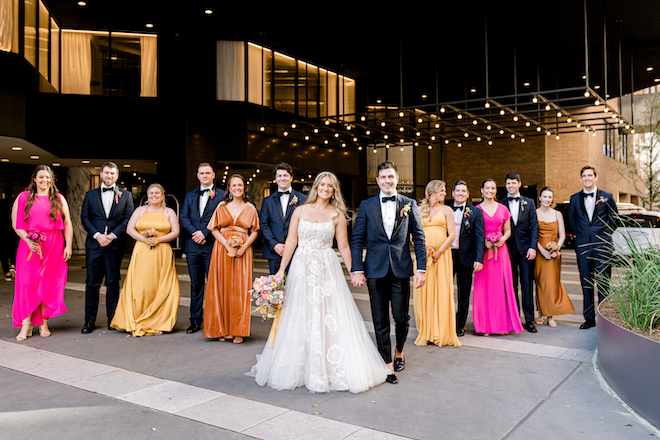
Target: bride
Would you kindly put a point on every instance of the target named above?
(321, 341)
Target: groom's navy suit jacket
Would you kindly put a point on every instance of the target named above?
(383, 253)
(94, 220)
(525, 233)
(192, 222)
(599, 229)
(274, 225)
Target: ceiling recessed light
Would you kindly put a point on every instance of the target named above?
(208, 11)
(82, 4)
(85, 161)
(127, 165)
(34, 157)
(149, 25)
(4, 159)
(526, 84)
(17, 148)
(56, 164)
(649, 69)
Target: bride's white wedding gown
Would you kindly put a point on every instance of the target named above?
(321, 340)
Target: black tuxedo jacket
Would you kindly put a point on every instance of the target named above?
(274, 225)
(471, 237)
(525, 233)
(191, 221)
(600, 228)
(383, 253)
(94, 219)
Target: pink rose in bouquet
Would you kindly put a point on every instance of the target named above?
(37, 237)
(268, 295)
(493, 238)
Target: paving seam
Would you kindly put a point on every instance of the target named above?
(538, 405)
(220, 395)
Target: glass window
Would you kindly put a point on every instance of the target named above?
(44, 43)
(301, 85)
(332, 94)
(312, 91)
(256, 74)
(54, 54)
(231, 71)
(30, 32)
(123, 71)
(349, 99)
(9, 25)
(323, 93)
(284, 74)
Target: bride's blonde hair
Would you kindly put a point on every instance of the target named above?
(431, 188)
(337, 200)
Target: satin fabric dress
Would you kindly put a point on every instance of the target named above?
(435, 312)
(41, 279)
(321, 340)
(227, 309)
(494, 306)
(149, 300)
(553, 298)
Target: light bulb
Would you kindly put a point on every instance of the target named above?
(535, 100)
(515, 119)
(547, 108)
(459, 145)
(488, 127)
(487, 105)
(459, 116)
(502, 112)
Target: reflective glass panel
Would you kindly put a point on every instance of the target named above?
(54, 54)
(30, 32)
(284, 74)
(312, 91)
(44, 44)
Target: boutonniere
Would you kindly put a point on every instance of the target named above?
(523, 202)
(211, 193)
(467, 212)
(601, 200)
(117, 192)
(406, 209)
(293, 200)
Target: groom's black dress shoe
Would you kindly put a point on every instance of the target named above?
(88, 327)
(399, 364)
(111, 328)
(460, 332)
(529, 326)
(194, 327)
(588, 324)
(391, 378)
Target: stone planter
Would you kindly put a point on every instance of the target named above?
(630, 364)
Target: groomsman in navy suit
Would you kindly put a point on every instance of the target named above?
(276, 213)
(196, 212)
(467, 250)
(386, 223)
(592, 214)
(105, 214)
(522, 244)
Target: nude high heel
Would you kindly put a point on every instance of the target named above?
(27, 327)
(44, 332)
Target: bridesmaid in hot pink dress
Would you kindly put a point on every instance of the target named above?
(494, 308)
(41, 218)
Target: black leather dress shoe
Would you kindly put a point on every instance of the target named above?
(111, 328)
(88, 327)
(529, 326)
(460, 333)
(194, 328)
(588, 324)
(399, 364)
(391, 378)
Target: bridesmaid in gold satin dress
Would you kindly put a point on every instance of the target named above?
(149, 300)
(234, 225)
(553, 299)
(435, 314)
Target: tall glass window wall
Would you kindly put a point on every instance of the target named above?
(278, 81)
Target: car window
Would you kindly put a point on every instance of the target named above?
(638, 221)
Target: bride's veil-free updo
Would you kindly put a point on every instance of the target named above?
(432, 187)
(337, 200)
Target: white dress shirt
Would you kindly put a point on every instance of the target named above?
(458, 219)
(106, 198)
(388, 212)
(590, 203)
(284, 200)
(514, 207)
(203, 199)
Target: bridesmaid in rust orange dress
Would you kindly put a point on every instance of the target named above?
(553, 299)
(234, 225)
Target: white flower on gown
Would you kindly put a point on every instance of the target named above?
(321, 340)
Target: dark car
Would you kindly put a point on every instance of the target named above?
(569, 243)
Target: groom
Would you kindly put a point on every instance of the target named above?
(386, 223)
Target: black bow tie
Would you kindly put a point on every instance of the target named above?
(283, 192)
(585, 195)
(389, 199)
(515, 198)
(204, 191)
(457, 208)
(107, 189)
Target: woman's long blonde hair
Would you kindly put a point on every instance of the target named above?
(337, 200)
(432, 187)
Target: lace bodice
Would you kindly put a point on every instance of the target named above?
(315, 236)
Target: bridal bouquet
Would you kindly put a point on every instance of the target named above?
(234, 242)
(430, 250)
(493, 238)
(38, 237)
(268, 295)
(150, 233)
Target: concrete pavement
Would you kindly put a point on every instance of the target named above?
(108, 385)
